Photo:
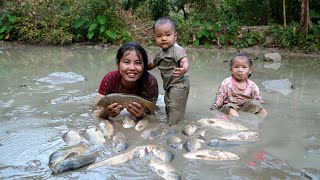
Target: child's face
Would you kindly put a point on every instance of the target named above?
(165, 35)
(130, 67)
(241, 69)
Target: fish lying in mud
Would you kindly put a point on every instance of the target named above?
(168, 132)
(125, 100)
(74, 163)
(119, 142)
(136, 152)
(224, 124)
(106, 128)
(210, 154)
(142, 125)
(66, 152)
(193, 144)
(163, 154)
(128, 122)
(225, 143)
(151, 133)
(174, 142)
(72, 137)
(239, 136)
(94, 135)
(165, 170)
(189, 129)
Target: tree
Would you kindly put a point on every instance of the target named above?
(305, 22)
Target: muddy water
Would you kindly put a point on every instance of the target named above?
(34, 115)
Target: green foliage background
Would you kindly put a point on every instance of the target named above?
(200, 22)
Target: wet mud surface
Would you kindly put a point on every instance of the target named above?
(36, 114)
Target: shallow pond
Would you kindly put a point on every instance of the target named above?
(34, 115)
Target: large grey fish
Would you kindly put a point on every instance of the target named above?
(72, 137)
(242, 135)
(119, 142)
(174, 142)
(165, 170)
(74, 163)
(125, 100)
(128, 122)
(142, 125)
(193, 144)
(222, 124)
(136, 152)
(106, 128)
(163, 154)
(225, 143)
(151, 133)
(189, 129)
(66, 152)
(211, 154)
(94, 135)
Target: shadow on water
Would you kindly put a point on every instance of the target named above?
(34, 115)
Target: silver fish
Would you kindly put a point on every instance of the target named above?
(72, 137)
(163, 154)
(151, 133)
(142, 125)
(136, 152)
(106, 128)
(212, 155)
(119, 142)
(168, 132)
(66, 152)
(189, 129)
(223, 124)
(193, 144)
(94, 135)
(225, 143)
(74, 163)
(125, 100)
(174, 142)
(128, 122)
(165, 170)
(242, 135)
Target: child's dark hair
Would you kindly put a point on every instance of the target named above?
(164, 20)
(241, 55)
(141, 52)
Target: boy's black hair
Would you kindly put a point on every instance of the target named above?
(163, 20)
(242, 55)
(141, 52)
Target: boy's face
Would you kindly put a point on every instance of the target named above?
(240, 69)
(165, 35)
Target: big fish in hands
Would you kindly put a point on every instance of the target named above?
(210, 154)
(66, 152)
(224, 124)
(125, 100)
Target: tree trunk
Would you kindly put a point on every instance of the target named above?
(305, 23)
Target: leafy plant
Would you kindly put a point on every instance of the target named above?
(6, 25)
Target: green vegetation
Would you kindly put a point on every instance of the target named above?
(208, 23)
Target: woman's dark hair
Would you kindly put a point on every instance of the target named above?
(242, 55)
(141, 53)
(164, 20)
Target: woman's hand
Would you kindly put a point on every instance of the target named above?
(112, 110)
(135, 109)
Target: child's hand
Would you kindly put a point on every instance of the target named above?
(177, 72)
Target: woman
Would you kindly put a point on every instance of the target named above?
(130, 78)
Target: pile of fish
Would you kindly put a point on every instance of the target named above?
(189, 140)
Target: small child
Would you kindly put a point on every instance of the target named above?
(173, 63)
(238, 92)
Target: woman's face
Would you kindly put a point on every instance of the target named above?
(130, 66)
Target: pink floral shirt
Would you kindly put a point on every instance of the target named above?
(229, 92)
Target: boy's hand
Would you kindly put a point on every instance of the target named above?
(177, 72)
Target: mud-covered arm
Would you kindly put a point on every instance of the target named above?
(220, 97)
(256, 93)
(183, 67)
